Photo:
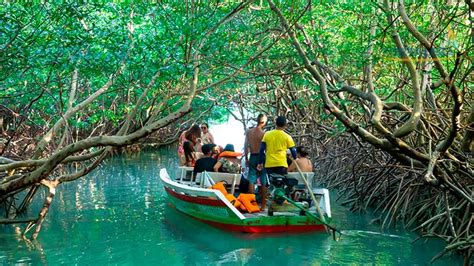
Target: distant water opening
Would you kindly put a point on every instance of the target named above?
(231, 132)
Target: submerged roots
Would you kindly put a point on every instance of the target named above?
(369, 179)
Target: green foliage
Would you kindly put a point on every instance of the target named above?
(44, 42)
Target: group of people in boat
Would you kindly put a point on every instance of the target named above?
(197, 149)
(265, 153)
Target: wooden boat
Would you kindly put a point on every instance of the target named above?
(194, 198)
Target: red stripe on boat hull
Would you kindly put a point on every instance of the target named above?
(266, 228)
(197, 200)
(241, 227)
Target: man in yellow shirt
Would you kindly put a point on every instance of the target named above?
(273, 149)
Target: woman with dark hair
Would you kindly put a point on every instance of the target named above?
(193, 135)
(302, 160)
(189, 154)
(207, 137)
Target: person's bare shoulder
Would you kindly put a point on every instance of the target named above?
(251, 131)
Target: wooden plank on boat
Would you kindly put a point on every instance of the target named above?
(198, 192)
(228, 178)
(324, 203)
(308, 175)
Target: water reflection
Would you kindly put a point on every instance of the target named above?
(119, 214)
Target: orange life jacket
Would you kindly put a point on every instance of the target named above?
(249, 202)
(229, 154)
(221, 187)
(233, 200)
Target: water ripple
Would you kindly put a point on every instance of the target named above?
(120, 215)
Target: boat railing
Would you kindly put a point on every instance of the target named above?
(207, 179)
(321, 193)
(296, 175)
(324, 202)
(185, 189)
(186, 174)
(184, 170)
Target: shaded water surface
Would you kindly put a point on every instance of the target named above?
(119, 215)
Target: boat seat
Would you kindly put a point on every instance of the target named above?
(282, 180)
(232, 180)
(185, 173)
(296, 175)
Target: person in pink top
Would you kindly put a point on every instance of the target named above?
(189, 154)
(193, 135)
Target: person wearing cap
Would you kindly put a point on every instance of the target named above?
(288, 158)
(205, 163)
(228, 161)
(273, 149)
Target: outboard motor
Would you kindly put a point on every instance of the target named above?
(282, 186)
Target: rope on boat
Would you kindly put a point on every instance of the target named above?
(205, 177)
(307, 212)
(313, 198)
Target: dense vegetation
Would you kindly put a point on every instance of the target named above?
(381, 90)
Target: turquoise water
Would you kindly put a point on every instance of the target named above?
(119, 215)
